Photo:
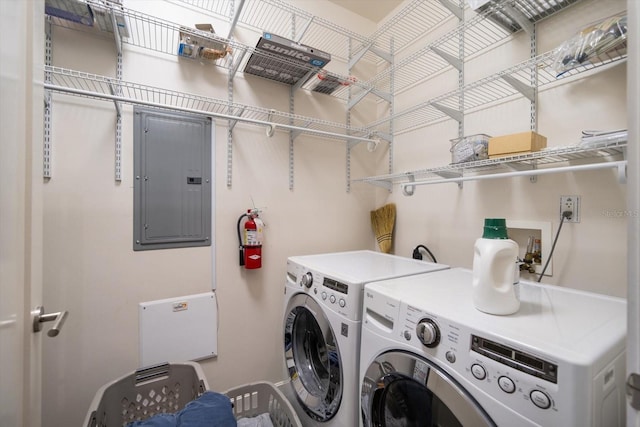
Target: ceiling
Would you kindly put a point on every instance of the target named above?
(373, 10)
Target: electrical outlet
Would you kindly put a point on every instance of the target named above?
(570, 204)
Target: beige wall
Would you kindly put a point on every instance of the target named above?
(91, 269)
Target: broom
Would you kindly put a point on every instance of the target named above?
(382, 222)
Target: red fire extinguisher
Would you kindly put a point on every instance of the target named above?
(250, 250)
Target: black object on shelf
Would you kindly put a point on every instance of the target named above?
(284, 60)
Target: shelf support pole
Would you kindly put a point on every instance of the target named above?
(292, 91)
(117, 91)
(461, 77)
(46, 147)
(236, 16)
(231, 123)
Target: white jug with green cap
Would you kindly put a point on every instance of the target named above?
(494, 264)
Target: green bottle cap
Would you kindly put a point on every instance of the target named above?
(495, 228)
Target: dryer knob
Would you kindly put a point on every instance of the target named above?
(428, 332)
(307, 279)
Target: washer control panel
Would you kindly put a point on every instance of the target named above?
(525, 382)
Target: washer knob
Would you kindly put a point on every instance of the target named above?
(307, 279)
(428, 332)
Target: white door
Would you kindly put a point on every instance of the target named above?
(633, 188)
(21, 112)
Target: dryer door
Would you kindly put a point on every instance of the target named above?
(312, 357)
(402, 389)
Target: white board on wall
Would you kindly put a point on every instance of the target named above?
(178, 329)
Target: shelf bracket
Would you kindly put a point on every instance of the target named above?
(358, 55)
(369, 48)
(519, 17)
(385, 136)
(459, 13)
(454, 114)
(521, 167)
(352, 143)
(383, 184)
(450, 175)
(295, 133)
(116, 31)
(304, 29)
(233, 123)
(452, 60)
(524, 89)
(384, 95)
(382, 54)
(303, 80)
(622, 169)
(360, 96)
(357, 98)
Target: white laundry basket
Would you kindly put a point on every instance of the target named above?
(164, 388)
(168, 387)
(257, 398)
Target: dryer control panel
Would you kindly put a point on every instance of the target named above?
(341, 297)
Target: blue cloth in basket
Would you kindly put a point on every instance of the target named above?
(209, 410)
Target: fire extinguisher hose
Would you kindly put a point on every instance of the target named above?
(240, 246)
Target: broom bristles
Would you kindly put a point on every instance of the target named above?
(382, 221)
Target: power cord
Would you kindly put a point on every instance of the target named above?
(565, 215)
(418, 255)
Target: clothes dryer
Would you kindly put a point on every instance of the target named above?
(322, 319)
(428, 357)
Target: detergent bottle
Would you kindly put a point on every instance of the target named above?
(494, 261)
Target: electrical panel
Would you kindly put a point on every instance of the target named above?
(172, 180)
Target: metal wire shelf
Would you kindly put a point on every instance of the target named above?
(506, 84)
(106, 88)
(591, 156)
(412, 22)
(148, 32)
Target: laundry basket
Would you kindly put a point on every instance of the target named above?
(164, 388)
(257, 398)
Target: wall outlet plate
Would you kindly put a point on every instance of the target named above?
(571, 204)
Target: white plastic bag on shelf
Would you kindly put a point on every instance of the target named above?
(592, 41)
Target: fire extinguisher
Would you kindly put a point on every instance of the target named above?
(250, 240)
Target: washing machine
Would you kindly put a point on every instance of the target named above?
(428, 357)
(322, 320)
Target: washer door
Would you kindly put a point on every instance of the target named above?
(312, 358)
(402, 389)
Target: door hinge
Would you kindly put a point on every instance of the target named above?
(633, 390)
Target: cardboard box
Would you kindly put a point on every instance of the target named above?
(516, 143)
(284, 60)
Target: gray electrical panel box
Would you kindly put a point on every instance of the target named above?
(172, 180)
